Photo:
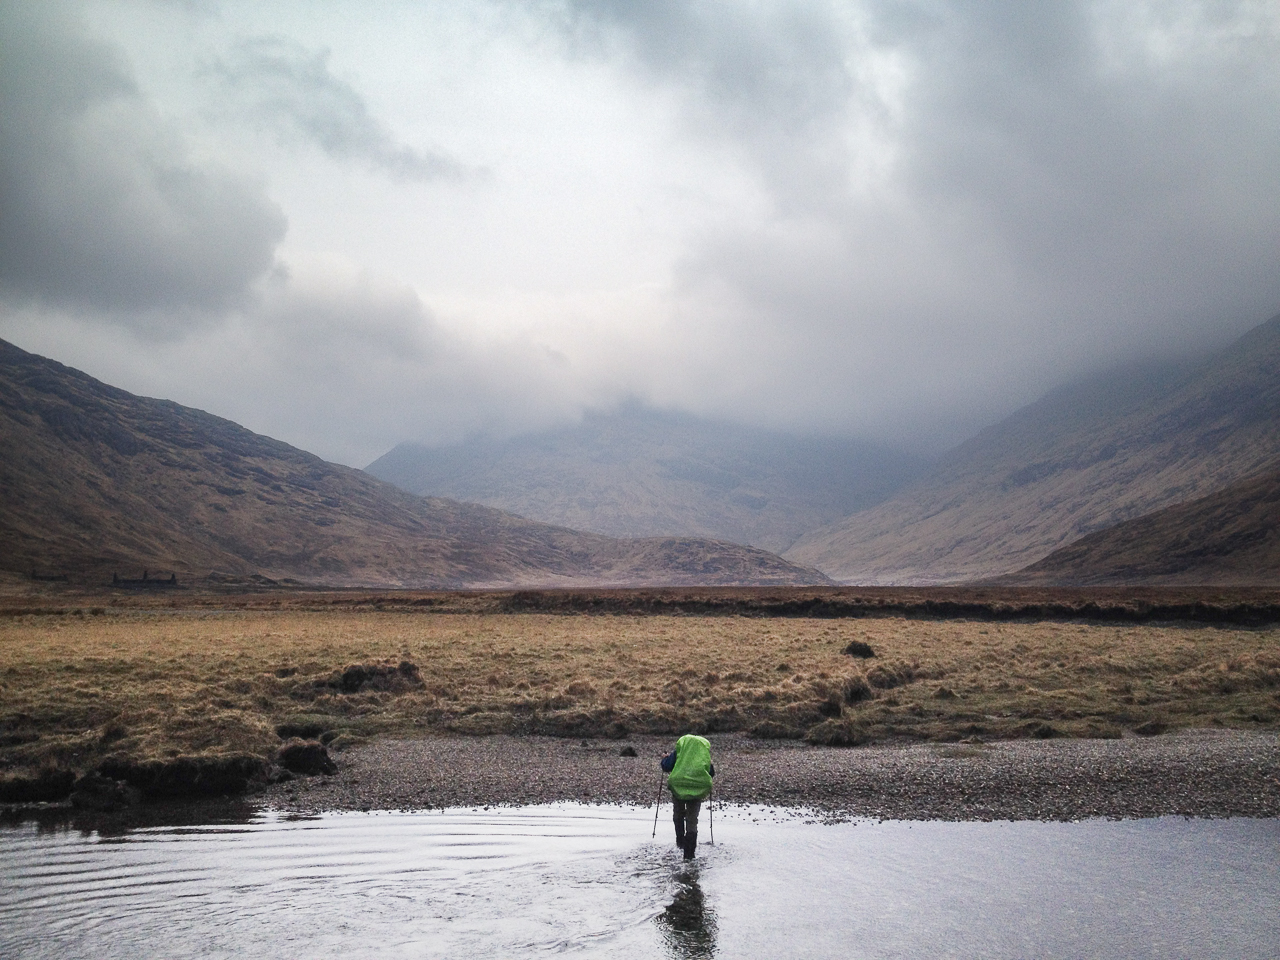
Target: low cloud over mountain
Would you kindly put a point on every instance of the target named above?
(640, 472)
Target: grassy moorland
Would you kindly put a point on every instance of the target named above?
(157, 679)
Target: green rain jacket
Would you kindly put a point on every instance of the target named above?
(690, 778)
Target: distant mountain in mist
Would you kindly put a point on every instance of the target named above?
(95, 480)
(1228, 537)
(1082, 459)
(639, 472)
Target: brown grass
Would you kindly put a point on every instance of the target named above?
(148, 684)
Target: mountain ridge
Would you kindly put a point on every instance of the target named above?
(1081, 459)
(93, 478)
(642, 472)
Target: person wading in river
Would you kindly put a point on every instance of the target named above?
(690, 771)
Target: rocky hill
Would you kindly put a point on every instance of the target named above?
(1231, 537)
(640, 472)
(94, 480)
(1080, 460)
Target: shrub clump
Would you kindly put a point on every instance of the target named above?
(837, 733)
(1042, 730)
(856, 690)
(857, 648)
(384, 677)
(894, 673)
(306, 756)
(830, 706)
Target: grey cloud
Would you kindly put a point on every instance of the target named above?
(103, 208)
(280, 85)
(328, 357)
(1070, 185)
(345, 314)
(1074, 158)
(783, 65)
(780, 79)
(970, 203)
(347, 365)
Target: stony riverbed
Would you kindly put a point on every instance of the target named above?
(1190, 773)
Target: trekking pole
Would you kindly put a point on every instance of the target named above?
(711, 813)
(657, 805)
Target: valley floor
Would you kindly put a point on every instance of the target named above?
(450, 680)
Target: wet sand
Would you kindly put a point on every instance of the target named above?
(1197, 773)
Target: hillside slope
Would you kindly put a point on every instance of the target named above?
(1231, 537)
(640, 472)
(94, 479)
(1079, 460)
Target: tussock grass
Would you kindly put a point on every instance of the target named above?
(148, 685)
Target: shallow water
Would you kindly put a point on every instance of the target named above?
(587, 881)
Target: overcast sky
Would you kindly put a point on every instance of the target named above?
(352, 224)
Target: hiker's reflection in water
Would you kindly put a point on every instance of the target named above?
(688, 926)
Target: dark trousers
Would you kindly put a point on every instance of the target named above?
(685, 815)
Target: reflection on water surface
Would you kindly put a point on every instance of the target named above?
(687, 924)
(588, 881)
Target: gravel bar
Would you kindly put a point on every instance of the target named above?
(1197, 773)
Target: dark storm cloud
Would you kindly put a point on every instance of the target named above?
(102, 206)
(280, 85)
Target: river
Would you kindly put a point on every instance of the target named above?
(587, 881)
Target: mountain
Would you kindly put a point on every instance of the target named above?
(639, 472)
(1083, 458)
(1231, 537)
(95, 480)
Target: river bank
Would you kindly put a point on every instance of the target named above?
(198, 699)
(129, 688)
(1198, 773)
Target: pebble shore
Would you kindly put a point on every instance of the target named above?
(1198, 773)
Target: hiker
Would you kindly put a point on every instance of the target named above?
(691, 770)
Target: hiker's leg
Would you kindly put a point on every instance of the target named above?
(691, 808)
